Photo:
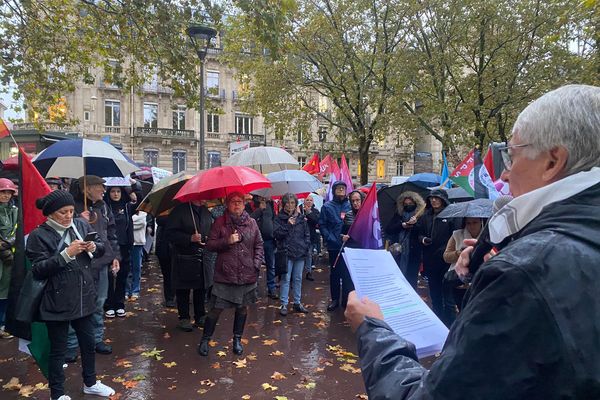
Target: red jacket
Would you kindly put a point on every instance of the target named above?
(237, 263)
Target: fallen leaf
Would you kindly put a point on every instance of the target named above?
(278, 376)
(310, 385)
(212, 343)
(267, 386)
(172, 387)
(281, 398)
(138, 377)
(245, 341)
(153, 290)
(255, 337)
(115, 396)
(350, 368)
(202, 391)
(251, 357)
(221, 353)
(167, 335)
(276, 353)
(362, 396)
(321, 324)
(13, 384)
(123, 363)
(216, 365)
(41, 386)
(277, 321)
(170, 364)
(118, 379)
(269, 342)
(319, 369)
(240, 363)
(154, 353)
(207, 382)
(194, 371)
(26, 391)
(246, 397)
(130, 384)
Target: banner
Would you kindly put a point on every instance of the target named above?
(236, 147)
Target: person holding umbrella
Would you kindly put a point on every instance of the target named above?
(236, 239)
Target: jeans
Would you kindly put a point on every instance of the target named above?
(58, 335)
(337, 274)
(308, 263)
(133, 287)
(183, 303)
(116, 285)
(294, 274)
(98, 316)
(3, 305)
(269, 248)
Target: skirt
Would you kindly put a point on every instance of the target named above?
(231, 296)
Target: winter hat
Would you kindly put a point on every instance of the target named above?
(7, 184)
(54, 201)
(338, 183)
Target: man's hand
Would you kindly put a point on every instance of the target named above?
(412, 220)
(357, 309)
(196, 238)
(462, 265)
(115, 266)
(133, 197)
(345, 238)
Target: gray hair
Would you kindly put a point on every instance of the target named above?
(569, 117)
(286, 198)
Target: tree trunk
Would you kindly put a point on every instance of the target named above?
(363, 156)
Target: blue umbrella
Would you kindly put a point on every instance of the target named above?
(78, 157)
(426, 179)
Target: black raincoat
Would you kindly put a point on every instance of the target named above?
(530, 328)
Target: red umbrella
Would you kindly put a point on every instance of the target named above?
(218, 182)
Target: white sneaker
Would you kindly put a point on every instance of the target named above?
(120, 312)
(99, 389)
(64, 397)
(109, 314)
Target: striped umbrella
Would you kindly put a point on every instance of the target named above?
(78, 157)
(161, 197)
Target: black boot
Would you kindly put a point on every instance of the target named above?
(209, 329)
(238, 329)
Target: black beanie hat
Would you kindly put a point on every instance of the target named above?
(54, 201)
(338, 183)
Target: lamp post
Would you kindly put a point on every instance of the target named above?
(322, 137)
(200, 37)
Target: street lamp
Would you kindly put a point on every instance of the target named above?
(322, 137)
(200, 37)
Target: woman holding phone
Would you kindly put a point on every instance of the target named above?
(60, 254)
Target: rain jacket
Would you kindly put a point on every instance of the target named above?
(293, 239)
(312, 217)
(530, 324)
(70, 292)
(331, 222)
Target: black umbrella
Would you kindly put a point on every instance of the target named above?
(478, 208)
(458, 194)
(386, 199)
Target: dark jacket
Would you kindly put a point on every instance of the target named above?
(237, 263)
(122, 212)
(181, 225)
(331, 221)
(409, 235)
(439, 230)
(294, 240)
(107, 230)
(265, 219)
(162, 238)
(312, 217)
(70, 292)
(530, 324)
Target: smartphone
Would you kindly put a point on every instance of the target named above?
(91, 237)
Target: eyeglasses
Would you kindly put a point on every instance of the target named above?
(507, 156)
(236, 202)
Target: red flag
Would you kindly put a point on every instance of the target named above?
(31, 188)
(325, 166)
(366, 229)
(4, 132)
(489, 163)
(312, 166)
(335, 169)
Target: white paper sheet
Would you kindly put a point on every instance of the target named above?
(376, 275)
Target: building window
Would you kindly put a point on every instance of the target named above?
(214, 159)
(151, 157)
(212, 123)
(302, 161)
(244, 125)
(112, 113)
(178, 161)
(212, 83)
(86, 115)
(150, 115)
(300, 137)
(179, 118)
(380, 169)
(399, 168)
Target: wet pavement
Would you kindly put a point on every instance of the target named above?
(310, 356)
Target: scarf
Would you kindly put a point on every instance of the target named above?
(60, 229)
(238, 221)
(523, 209)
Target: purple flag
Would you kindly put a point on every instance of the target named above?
(366, 229)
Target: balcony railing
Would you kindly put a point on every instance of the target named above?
(156, 88)
(165, 133)
(108, 85)
(213, 135)
(113, 129)
(215, 93)
(255, 140)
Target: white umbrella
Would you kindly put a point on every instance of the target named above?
(264, 159)
(294, 181)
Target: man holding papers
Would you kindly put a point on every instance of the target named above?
(531, 319)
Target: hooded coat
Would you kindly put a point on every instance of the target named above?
(394, 228)
(530, 324)
(331, 220)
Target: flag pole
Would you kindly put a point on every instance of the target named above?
(338, 255)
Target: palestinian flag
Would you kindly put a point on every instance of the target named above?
(472, 175)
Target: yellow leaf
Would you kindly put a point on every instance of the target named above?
(118, 379)
(267, 386)
(240, 363)
(269, 342)
(26, 391)
(207, 382)
(221, 353)
(216, 365)
(212, 343)
(41, 386)
(276, 353)
(281, 398)
(246, 397)
(350, 368)
(202, 391)
(170, 364)
(154, 353)
(153, 290)
(310, 385)
(251, 357)
(278, 376)
(13, 384)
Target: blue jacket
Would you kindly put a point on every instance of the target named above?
(331, 222)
